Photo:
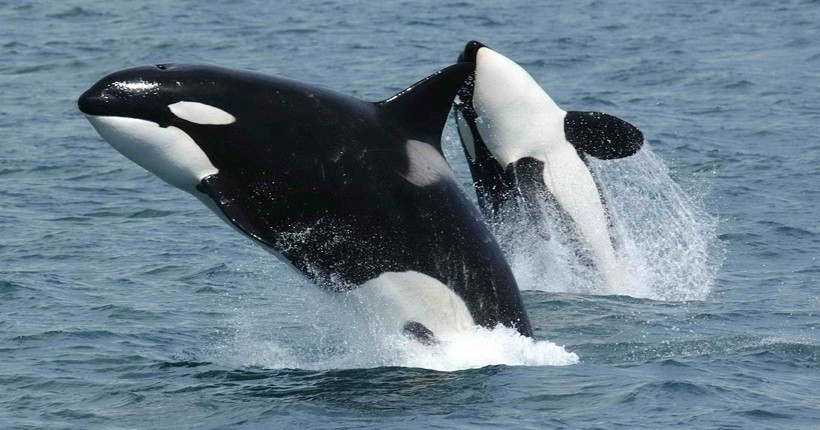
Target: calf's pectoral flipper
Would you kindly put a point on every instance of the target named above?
(602, 135)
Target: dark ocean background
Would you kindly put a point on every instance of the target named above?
(125, 303)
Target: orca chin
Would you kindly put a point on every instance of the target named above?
(355, 195)
(167, 152)
(523, 149)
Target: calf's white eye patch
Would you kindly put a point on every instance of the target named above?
(200, 113)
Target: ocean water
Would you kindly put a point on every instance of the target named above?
(124, 303)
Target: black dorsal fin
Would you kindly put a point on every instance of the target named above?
(422, 109)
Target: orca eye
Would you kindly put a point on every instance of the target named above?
(162, 66)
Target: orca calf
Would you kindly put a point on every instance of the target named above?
(353, 194)
(523, 149)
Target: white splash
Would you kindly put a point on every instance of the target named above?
(667, 244)
(669, 239)
(474, 348)
(293, 324)
(477, 347)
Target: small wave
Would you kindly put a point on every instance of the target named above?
(672, 389)
(182, 363)
(104, 214)
(117, 312)
(421, 23)
(787, 230)
(52, 335)
(13, 44)
(150, 213)
(669, 362)
(207, 273)
(764, 414)
(24, 70)
(75, 219)
(298, 31)
(788, 352)
(76, 415)
(76, 12)
(741, 84)
(589, 100)
(10, 171)
(8, 288)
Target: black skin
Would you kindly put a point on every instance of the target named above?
(318, 176)
(521, 183)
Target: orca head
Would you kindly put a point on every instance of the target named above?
(497, 106)
(515, 118)
(148, 113)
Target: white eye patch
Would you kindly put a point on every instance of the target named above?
(200, 113)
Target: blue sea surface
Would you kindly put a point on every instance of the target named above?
(125, 303)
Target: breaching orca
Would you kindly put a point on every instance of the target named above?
(353, 194)
(522, 148)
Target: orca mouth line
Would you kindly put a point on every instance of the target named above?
(92, 103)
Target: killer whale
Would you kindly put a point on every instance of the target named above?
(522, 148)
(355, 195)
